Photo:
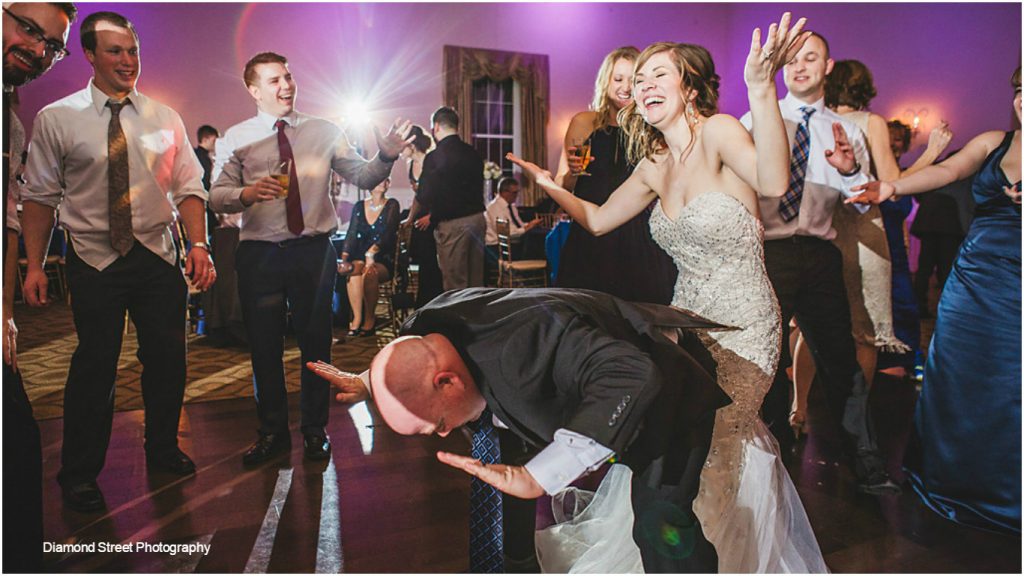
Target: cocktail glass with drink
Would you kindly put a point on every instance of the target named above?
(280, 170)
(581, 149)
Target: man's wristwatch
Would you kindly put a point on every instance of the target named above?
(852, 172)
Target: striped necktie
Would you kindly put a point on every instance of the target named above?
(486, 555)
(119, 198)
(789, 206)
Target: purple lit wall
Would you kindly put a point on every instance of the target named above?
(952, 59)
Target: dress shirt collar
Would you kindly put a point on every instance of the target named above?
(99, 99)
(793, 104)
(268, 120)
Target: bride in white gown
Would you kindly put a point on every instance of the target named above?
(705, 172)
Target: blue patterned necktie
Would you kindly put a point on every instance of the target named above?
(789, 206)
(485, 532)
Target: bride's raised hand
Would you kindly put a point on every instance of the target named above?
(539, 175)
(780, 46)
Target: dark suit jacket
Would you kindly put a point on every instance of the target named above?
(452, 181)
(555, 358)
(946, 210)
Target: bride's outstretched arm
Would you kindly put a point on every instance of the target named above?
(627, 201)
(765, 165)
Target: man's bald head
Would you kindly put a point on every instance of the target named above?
(421, 386)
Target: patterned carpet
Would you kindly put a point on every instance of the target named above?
(47, 339)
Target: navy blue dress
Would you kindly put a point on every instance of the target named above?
(384, 233)
(968, 415)
(906, 321)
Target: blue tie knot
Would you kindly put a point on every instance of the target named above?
(807, 110)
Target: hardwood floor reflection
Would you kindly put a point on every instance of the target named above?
(399, 510)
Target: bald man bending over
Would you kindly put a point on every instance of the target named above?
(580, 375)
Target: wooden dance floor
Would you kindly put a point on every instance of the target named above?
(383, 503)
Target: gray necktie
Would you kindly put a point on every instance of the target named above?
(120, 201)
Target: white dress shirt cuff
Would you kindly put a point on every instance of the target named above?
(850, 182)
(568, 457)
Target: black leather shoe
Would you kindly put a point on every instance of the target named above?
(317, 446)
(176, 462)
(267, 447)
(83, 497)
(878, 484)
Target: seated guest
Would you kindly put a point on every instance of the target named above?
(504, 206)
(368, 257)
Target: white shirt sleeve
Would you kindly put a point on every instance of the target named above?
(569, 456)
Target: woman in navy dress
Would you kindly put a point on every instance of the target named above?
(968, 415)
(368, 257)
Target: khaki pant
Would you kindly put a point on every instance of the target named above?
(460, 251)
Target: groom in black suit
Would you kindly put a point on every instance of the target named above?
(580, 375)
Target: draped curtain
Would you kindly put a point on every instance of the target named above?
(463, 66)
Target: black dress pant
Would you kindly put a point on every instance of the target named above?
(807, 275)
(153, 293)
(423, 252)
(297, 277)
(23, 481)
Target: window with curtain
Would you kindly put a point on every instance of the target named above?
(495, 121)
(503, 103)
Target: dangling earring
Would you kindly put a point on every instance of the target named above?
(691, 116)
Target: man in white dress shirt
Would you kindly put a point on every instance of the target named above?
(805, 268)
(504, 206)
(119, 165)
(285, 260)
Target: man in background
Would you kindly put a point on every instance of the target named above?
(285, 260)
(452, 184)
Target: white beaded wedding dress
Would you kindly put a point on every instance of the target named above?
(748, 506)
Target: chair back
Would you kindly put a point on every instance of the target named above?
(503, 229)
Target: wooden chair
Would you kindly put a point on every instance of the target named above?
(521, 273)
(398, 293)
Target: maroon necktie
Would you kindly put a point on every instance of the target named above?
(293, 204)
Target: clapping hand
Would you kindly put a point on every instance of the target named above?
(841, 157)
(350, 387)
(514, 480)
(539, 175)
(397, 138)
(780, 46)
(940, 137)
(874, 192)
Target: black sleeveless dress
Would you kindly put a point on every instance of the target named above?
(626, 262)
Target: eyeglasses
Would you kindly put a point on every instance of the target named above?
(30, 31)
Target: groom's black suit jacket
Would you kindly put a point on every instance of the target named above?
(546, 359)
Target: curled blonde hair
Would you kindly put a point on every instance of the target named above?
(601, 103)
(697, 70)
